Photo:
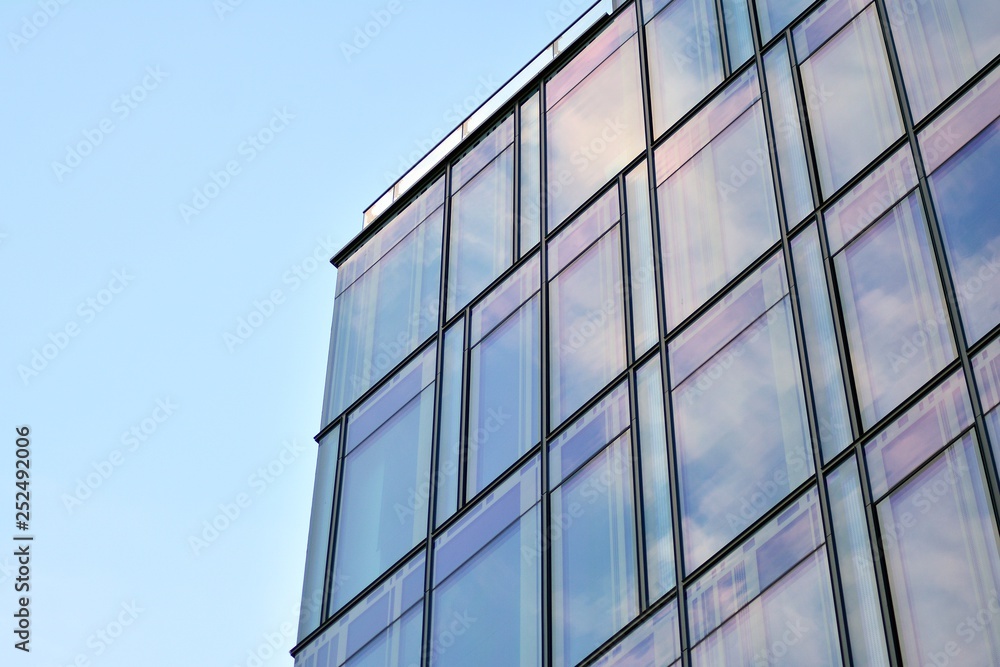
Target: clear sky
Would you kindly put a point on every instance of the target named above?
(169, 170)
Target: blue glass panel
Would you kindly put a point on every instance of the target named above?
(941, 45)
(587, 326)
(742, 439)
(898, 330)
(584, 230)
(986, 367)
(450, 430)
(504, 396)
(484, 152)
(399, 645)
(825, 373)
(942, 556)
(324, 487)
(775, 15)
(594, 587)
(588, 435)
(857, 571)
(685, 58)
(657, 515)
(739, 38)
(756, 564)
(823, 23)
(918, 434)
(642, 271)
(964, 191)
(850, 100)
(960, 122)
(530, 214)
(504, 299)
(655, 643)
(383, 512)
(717, 214)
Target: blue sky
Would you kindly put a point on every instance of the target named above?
(172, 170)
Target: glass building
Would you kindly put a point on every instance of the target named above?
(683, 350)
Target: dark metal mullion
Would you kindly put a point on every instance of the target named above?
(516, 235)
(720, 17)
(672, 472)
(805, 375)
(941, 257)
(545, 538)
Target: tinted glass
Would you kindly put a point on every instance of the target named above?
(642, 271)
(450, 430)
(775, 15)
(530, 174)
(320, 517)
(657, 517)
(398, 645)
(655, 643)
(897, 326)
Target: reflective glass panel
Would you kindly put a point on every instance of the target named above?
(398, 645)
(487, 597)
(597, 128)
(941, 45)
(942, 554)
(825, 373)
(504, 396)
(717, 214)
(986, 367)
(685, 58)
(791, 624)
(450, 430)
(657, 517)
(775, 15)
(381, 515)
(384, 314)
(738, 34)
(789, 147)
(642, 271)
(754, 566)
(897, 327)
(742, 438)
(964, 191)
(918, 434)
(857, 570)
(960, 122)
(530, 173)
(324, 488)
(850, 100)
(655, 643)
(594, 587)
(589, 434)
(482, 242)
(587, 327)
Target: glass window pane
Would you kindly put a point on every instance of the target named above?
(825, 373)
(504, 396)
(790, 624)
(381, 514)
(505, 298)
(324, 488)
(595, 130)
(738, 34)
(655, 643)
(589, 434)
(530, 174)
(897, 327)
(642, 271)
(755, 565)
(594, 587)
(918, 434)
(487, 595)
(775, 15)
(657, 517)
(850, 99)
(789, 146)
(964, 191)
(942, 554)
(584, 230)
(857, 570)
(384, 315)
(587, 343)
(450, 431)
(742, 437)
(941, 45)
(961, 121)
(400, 644)
(986, 367)
(717, 214)
(685, 58)
(481, 244)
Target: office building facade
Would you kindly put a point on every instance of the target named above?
(684, 350)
